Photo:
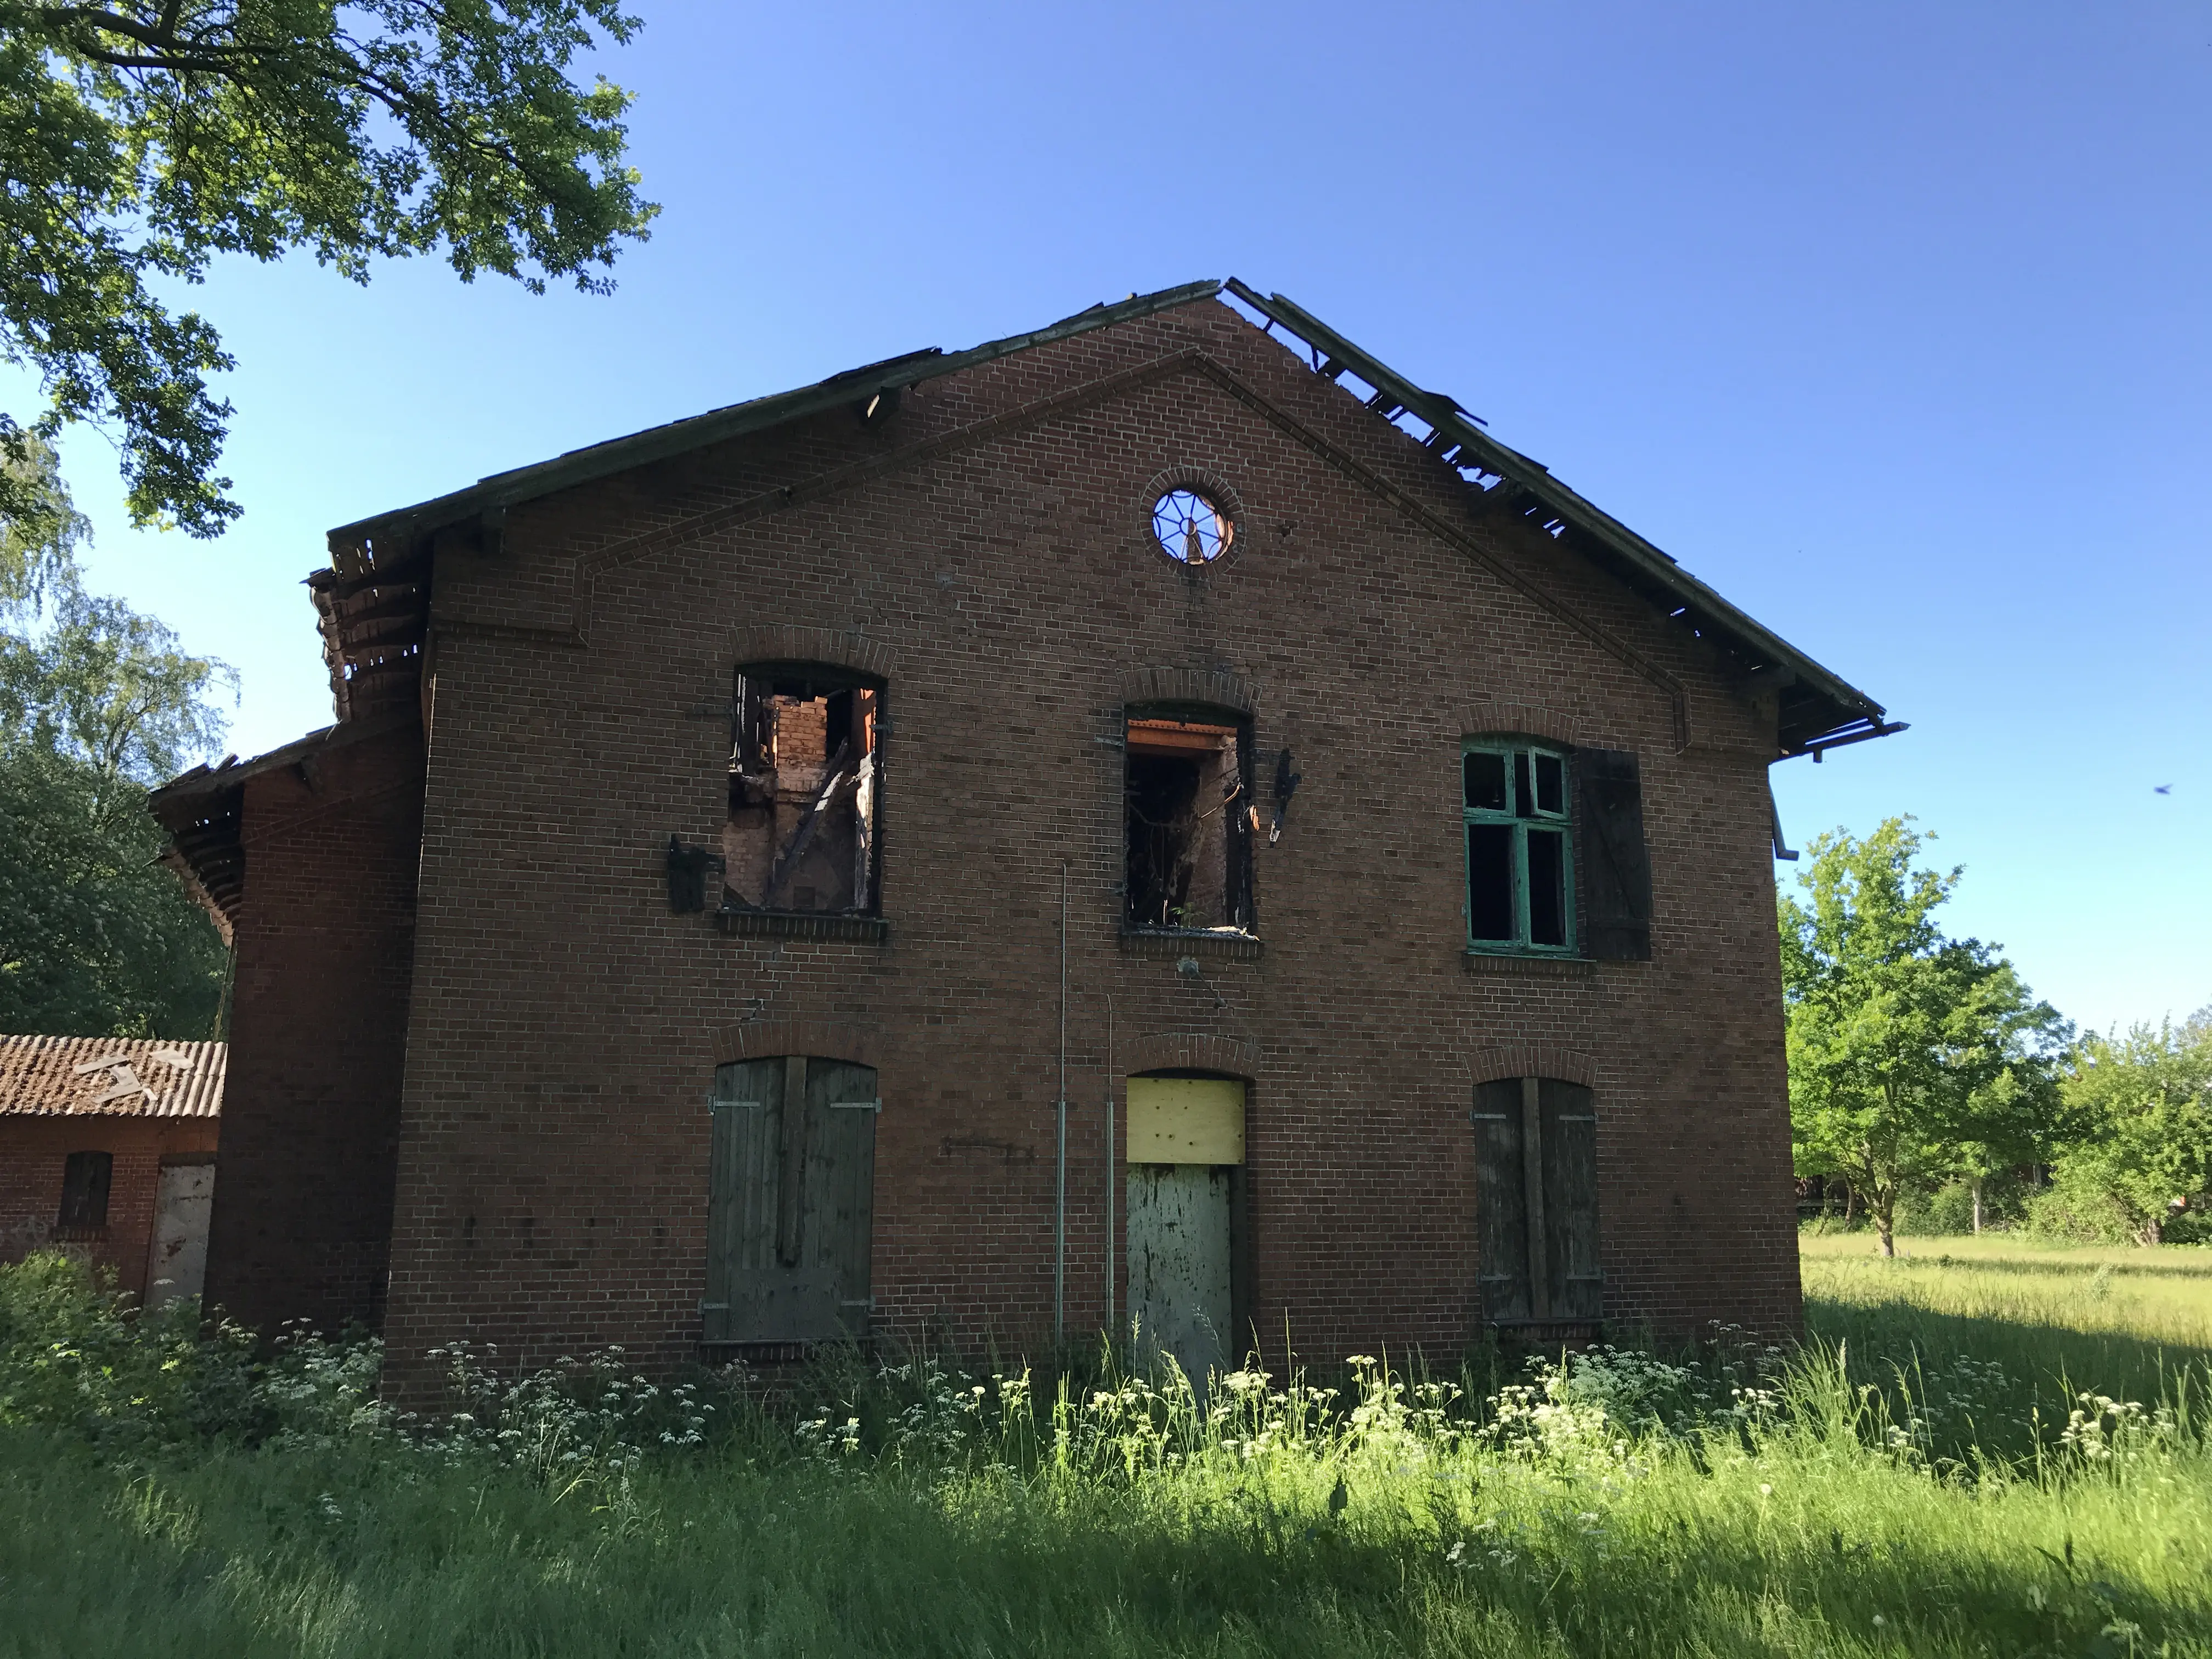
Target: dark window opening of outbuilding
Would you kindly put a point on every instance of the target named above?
(85, 1177)
(806, 781)
(1189, 822)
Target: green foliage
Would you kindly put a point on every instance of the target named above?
(142, 138)
(97, 703)
(2140, 1154)
(74, 1354)
(1913, 1056)
(1836, 1500)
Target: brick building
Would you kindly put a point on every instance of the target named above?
(738, 840)
(107, 1148)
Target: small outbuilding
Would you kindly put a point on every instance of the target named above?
(1157, 824)
(107, 1148)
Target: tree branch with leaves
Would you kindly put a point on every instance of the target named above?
(140, 141)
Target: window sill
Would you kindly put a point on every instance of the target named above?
(803, 924)
(1188, 942)
(1502, 962)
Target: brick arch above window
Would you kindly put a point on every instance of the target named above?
(1502, 718)
(1194, 1051)
(1217, 687)
(1532, 1059)
(767, 1039)
(790, 643)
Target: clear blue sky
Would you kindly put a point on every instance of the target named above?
(1891, 322)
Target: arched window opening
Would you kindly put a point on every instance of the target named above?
(1189, 818)
(806, 781)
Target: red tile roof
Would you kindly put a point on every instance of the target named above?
(129, 1077)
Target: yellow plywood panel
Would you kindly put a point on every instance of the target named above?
(1186, 1120)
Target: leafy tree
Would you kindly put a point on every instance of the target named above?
(1913, 1056)
(96, 704)
(2141, 1109)
(139, 139)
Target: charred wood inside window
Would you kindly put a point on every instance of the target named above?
(805, 778)
(1189, 820)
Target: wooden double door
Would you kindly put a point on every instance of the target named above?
(1535, 1143)
(791, 1202)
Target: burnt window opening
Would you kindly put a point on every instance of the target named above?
(805, 786)
(1189, 819)
(85, 1177)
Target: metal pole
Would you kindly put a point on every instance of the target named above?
(1060, 1213)
(1109, 1168)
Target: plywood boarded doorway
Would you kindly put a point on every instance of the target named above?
(1185, 1156)
(176, 1266)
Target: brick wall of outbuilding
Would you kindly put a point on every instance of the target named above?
(986, 550)
(325, 937)
(33, 1150)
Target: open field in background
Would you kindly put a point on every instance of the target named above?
(2118, 1320)
(1743, 1502)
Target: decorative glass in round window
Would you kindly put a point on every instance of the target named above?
(1191, 529)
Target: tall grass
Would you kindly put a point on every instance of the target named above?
(1738, 1501)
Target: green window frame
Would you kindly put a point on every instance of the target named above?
(1518, 840)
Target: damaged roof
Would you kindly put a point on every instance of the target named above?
(110, 1077)
(201, 811)
(373, 601)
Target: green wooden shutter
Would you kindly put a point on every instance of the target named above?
(1610, 849)
(841, 1185)
(741, 1200)
(1569, 1175)
(1501, 1201)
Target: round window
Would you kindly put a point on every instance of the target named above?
(1191, 529)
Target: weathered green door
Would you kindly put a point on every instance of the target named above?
(790, 1202)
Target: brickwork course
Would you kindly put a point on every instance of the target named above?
(473, 1043)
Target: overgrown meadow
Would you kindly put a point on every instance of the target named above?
(1950, 1464)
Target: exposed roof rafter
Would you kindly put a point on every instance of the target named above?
(1819, 708)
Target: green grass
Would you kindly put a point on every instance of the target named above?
(1810, 1517)
(2156, 1296)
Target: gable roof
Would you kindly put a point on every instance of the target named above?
(373, 601)
(110, 1077)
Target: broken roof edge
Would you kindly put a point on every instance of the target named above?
(499, 491)
(199, 811)
(1462, 435)
(205, 780)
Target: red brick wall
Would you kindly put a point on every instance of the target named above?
(986, 548)
(302, 1213)
(32, 1152)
